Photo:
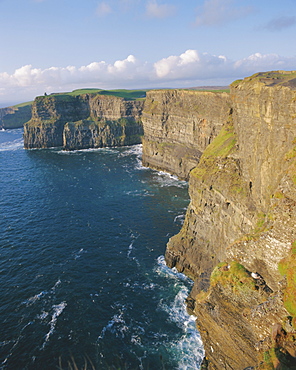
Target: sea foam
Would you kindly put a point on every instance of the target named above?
(188, 349)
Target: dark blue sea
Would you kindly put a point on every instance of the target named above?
(83, 283)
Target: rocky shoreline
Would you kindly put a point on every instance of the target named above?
(238, 151)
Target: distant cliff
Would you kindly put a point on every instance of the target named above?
(83, 121)
(15, 116)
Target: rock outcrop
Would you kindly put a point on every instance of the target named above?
(239, 226)
(179, 125)
(15, 116)
(83, 121)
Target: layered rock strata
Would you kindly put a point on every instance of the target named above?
(83, 121)
(179, 125)
(239, 226)
(15, 116)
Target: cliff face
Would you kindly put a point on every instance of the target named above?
(241, 219)
(83, 121)
(179, 125)
(14, 117)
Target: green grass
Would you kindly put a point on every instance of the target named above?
(126, 94)
(233, 275)
(23, 104)
(287, 268)
(120, 93)
(220, 147)
(270, 77)
(216, 91)
(84, 91)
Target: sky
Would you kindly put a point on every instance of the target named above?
(61, 45)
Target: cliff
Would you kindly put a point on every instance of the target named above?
(239, 228)
(83, 121)
(179, 125)
(15, 116)
(237, 242)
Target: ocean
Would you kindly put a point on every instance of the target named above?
(83, 278)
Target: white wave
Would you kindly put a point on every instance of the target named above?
(12, 145)
(79, 253)
(14, 131)
(164, 270)
(130, 249)
(57, 310)
(188, 350)
(133, 150)
(57, 283)
(137, 286)
(43, 315)
(28, 302)
(116, 325)
(180, 219)
(139, 166)
(165, 179)
(139, 193)
(89, 150)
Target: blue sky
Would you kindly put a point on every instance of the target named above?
(60, 45)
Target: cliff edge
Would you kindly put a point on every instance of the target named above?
(237, 238)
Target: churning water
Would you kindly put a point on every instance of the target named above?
(83, 278)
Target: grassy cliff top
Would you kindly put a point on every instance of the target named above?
(121, 93)
(272, 78)
(21, 105)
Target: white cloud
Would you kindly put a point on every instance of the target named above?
(264, 62)
(191, 65)
(155, 10)
(217, 12)
(190, 68)
(103, 9)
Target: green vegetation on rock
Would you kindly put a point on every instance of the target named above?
(287, 268)
(233, 275)
(120, 93)
(217, 167)
(271, 78)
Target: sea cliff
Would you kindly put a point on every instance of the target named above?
(237, 238)
(15, 116)
(238, 151)
(83, 121)
(179, 125)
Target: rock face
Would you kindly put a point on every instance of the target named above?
(83, 121)
(14, 117)
(239, 226)
(179, 125)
